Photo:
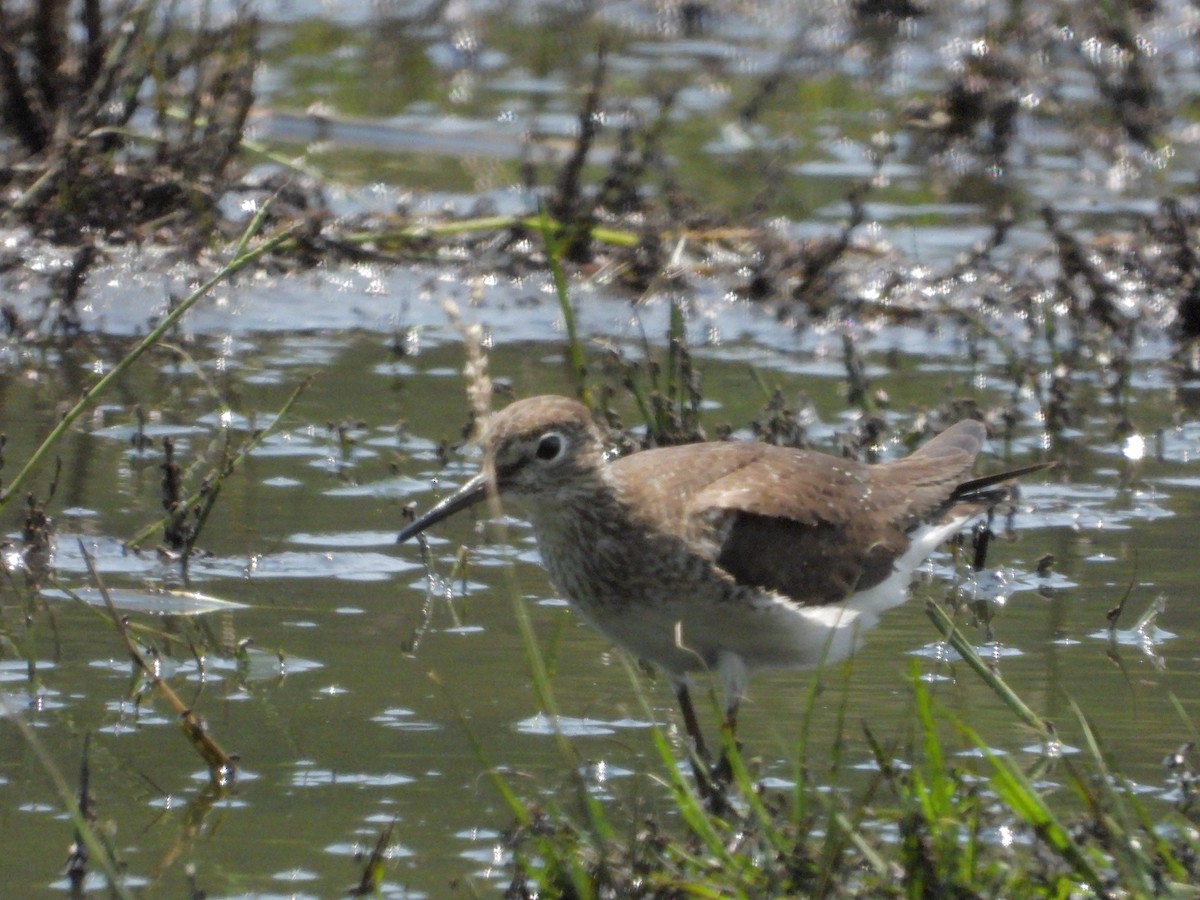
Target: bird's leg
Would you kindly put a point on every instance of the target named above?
(734, 674)
(722, 772)
(690, 723)
(710, 790)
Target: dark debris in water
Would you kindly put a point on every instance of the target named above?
(76, 94)
(79, 172)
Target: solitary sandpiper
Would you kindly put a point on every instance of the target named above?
(729, 556)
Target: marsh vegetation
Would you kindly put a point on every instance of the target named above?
(229, 238)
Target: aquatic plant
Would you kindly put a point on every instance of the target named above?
(125, 120)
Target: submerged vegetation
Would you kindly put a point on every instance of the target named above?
(126, 123)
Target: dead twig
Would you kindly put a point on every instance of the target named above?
(221, 765)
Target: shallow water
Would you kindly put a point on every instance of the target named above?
(356, 702)
(340, 730)
(777, 107)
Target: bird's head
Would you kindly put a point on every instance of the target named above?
(543, 451)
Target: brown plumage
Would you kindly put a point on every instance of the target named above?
(725, 556)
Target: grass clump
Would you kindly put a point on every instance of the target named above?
(122, 121)
(928, 823)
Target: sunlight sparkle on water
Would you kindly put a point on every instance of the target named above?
(1134, 447)
(10, 558)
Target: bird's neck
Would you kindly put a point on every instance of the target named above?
(590, 503)
(586, 544)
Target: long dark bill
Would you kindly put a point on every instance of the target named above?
(468, 495)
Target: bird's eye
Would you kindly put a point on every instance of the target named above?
(550, 447)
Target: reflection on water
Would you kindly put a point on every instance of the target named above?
(328, 702)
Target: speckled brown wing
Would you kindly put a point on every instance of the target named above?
(816, 528)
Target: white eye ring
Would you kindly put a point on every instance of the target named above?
(550, 446)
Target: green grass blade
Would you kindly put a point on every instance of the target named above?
(85, 402)
(507, 794)
(691, 810)
(959, 642)
(97, 852)
(575, 357)
(1020, 796)
(1118, 814)
(231, 464)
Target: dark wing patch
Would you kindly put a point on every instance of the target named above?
(813, 564)
(809, 526)
(816, 528)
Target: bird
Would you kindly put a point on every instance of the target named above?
(725, 557)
